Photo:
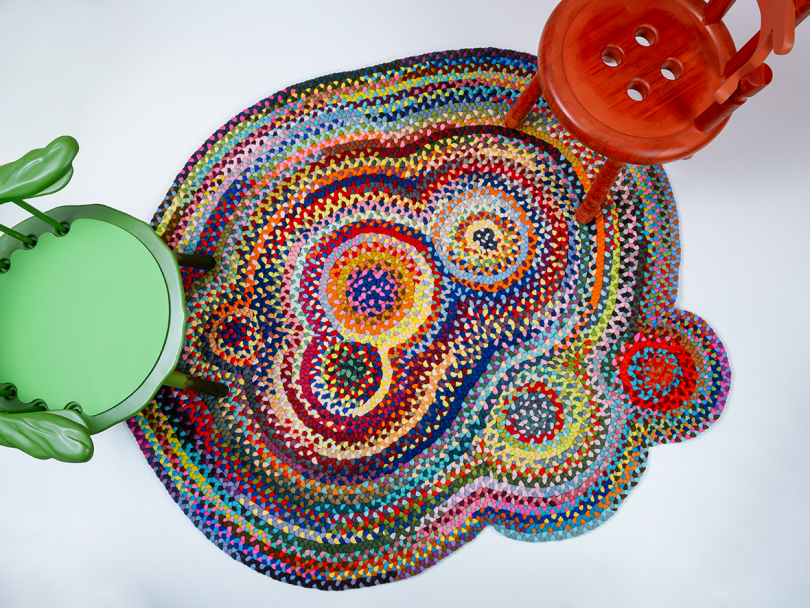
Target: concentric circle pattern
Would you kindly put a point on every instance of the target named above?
(419, 338)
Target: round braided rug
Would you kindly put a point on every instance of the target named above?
(419, 338)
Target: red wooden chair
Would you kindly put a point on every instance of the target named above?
(649, 81)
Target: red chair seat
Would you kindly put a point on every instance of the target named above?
(590, 98)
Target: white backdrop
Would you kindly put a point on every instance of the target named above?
(720, 520)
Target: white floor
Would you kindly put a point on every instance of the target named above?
(721, 520)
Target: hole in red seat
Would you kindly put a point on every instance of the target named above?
(672, 69)
(646, 35)
(638, 89)
(612, 56)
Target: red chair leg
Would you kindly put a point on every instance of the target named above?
(599, 191)
(520, 110)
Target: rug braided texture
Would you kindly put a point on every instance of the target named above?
(419, 338)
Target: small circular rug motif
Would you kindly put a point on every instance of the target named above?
(419, 338)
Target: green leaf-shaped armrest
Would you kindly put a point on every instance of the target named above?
(61, 435)
(39, 172)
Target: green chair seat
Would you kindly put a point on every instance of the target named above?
(96, 293)
(92, 314)
(94, 318)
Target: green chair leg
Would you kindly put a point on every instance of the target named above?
(195, 260)
(200, 385)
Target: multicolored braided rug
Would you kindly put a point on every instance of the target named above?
(420, 339)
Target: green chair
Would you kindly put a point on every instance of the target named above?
(92, 314)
